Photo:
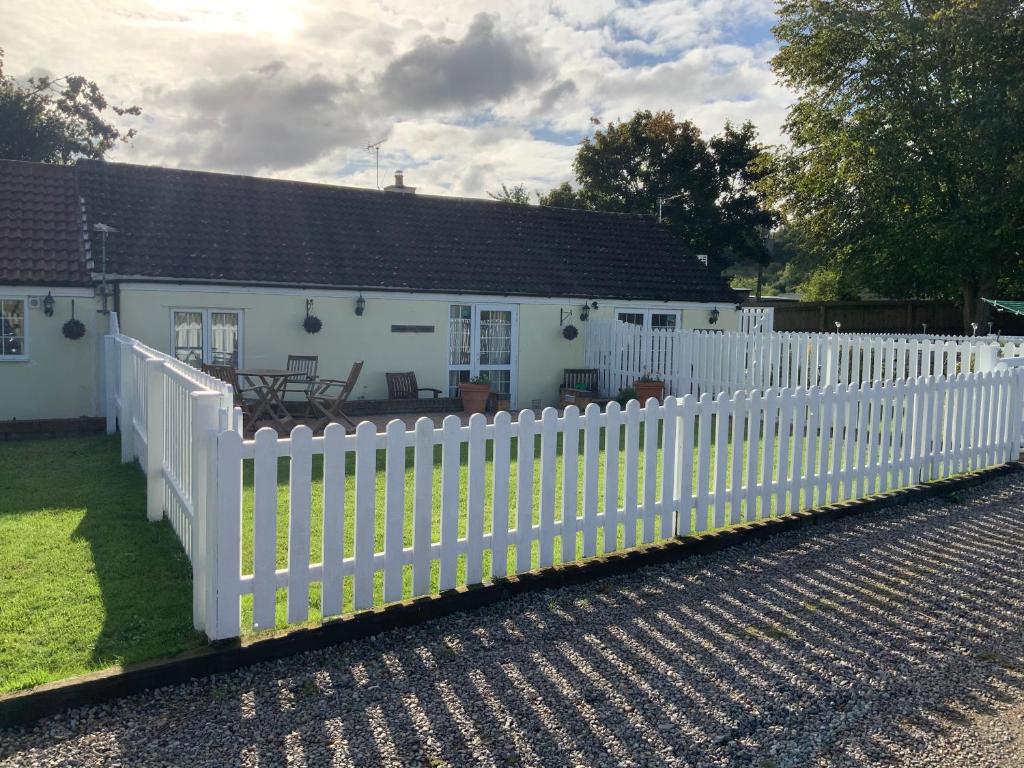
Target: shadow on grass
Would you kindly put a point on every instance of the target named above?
(87, 581)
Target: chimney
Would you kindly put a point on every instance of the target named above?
(399, 185)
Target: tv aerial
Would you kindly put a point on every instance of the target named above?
(375, 148)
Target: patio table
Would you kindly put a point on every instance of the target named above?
(269, 385)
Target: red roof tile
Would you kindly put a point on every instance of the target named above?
(40, 225)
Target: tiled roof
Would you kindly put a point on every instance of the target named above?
(213, 227)
(40, 225)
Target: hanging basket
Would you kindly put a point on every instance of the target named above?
(311, 322)
(74, 328)
(570, 332)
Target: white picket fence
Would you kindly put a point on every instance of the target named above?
(630, 477)
(695, 362)
(511, 496)
(169, 415)
(757, 319)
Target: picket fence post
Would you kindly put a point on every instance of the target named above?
(154, 373)
(110, 381)
(127, 421)
(203, 407)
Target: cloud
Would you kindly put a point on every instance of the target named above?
(268, 119)
(466, 99)
(440, 73)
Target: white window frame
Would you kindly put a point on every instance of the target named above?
(24, 356)
(647, 312)
(474, 365)
(207, 327)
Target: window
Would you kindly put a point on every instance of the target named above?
(12, 329)
(650, 318)
(206, 336)
(481, 341)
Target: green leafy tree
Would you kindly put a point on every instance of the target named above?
(564, 196)
(710, 191)
(906, 168)
(57, 121)
(516, 194)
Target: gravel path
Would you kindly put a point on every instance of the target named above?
(887, 639)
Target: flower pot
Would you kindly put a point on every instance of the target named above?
(647, 389)
(474, 396)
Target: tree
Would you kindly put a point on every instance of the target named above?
(627, 166)
(516, 194)
(56, 121)
(744, 219)
(709, 188)
(906, 169)
(564, 196)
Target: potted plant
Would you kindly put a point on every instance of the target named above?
(647, 386)
(474, 393)
(625, 395)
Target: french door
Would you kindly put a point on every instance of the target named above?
(482, 342)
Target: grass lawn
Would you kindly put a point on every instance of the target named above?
(86, 582)
(316, 521)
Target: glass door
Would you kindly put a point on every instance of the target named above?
(482, 341)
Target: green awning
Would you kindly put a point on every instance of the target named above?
(1017, 307)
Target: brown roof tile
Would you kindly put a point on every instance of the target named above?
(40, 225)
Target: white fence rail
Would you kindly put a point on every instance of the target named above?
(695, 362)
(169, 414)
(582, 484)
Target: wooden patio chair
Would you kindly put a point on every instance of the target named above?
(579, 387)
(326, 405)
(244, 396)
(403, 386)
(305, 365)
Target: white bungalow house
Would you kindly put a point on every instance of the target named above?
(221, 268)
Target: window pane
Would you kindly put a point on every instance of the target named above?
(12, 327)
(454, 377)
(461, 311)
(460, 339)
(224, 338)
(664, 321)
(495, 337)
(188, 337)
(633, 318)
(501, 380)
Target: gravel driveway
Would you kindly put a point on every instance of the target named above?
(887, 639)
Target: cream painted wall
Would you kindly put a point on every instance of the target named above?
(61, 377)
(272, 328)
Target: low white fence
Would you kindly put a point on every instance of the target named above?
(695, 362)
(582, 484)
(169, 414)
(407, 513)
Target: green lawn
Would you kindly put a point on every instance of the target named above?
(86, 582)
(316, 517)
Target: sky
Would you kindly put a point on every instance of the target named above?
(464, 96)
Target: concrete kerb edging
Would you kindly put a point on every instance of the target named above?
(25, 707)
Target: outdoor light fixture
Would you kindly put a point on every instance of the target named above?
(713, 316)
(360, 304)
(838, 326)
(48, 303)
(593, 305)
(584, 312)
